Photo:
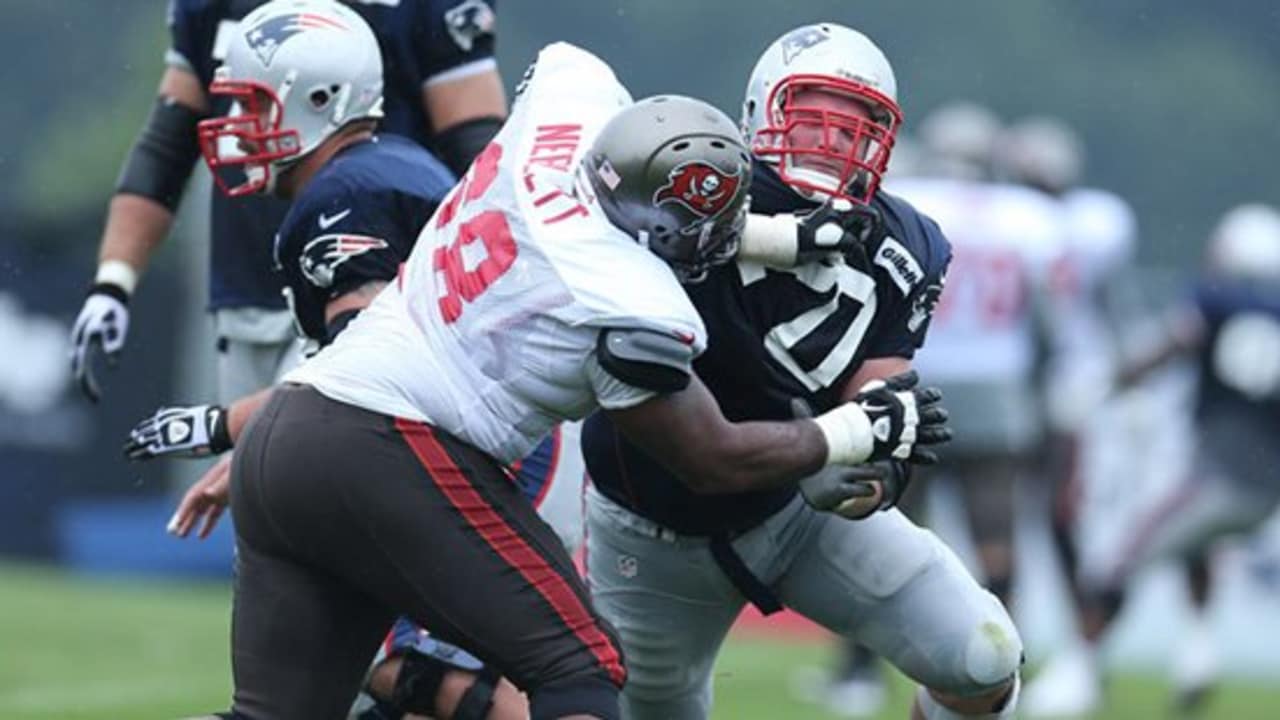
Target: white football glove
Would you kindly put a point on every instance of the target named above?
(101, 326)
(193, 431)
(887, 419)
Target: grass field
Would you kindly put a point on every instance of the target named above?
(74, 649)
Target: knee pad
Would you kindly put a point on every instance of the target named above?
(993, 653)
(934, 710)
(593, 695)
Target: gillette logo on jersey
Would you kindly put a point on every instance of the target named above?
(266, 37)
(700, 187)
(322, 256)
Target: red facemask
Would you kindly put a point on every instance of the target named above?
(239, 149)
(851, 150)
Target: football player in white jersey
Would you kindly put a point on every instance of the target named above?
(545, 287)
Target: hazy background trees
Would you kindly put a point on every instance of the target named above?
(1178, 99)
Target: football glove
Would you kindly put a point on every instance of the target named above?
(100, 327)
(887, 419)
(193, 431)
(836, 227)
(847, 491)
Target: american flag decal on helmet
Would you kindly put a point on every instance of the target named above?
(266, 37)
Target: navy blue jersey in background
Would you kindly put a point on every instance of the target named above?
(421, 41)
(1238, 363)
(777, 335)
(355, 222)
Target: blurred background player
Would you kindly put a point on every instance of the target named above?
(442, 90)
(672, 566)
(1229, 326)
(1082, 304)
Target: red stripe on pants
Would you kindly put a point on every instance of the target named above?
(510, 545)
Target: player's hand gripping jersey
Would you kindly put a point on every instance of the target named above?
(490, 332)
(776, 335)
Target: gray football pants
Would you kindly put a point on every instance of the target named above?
(883, 581)
(255, 348)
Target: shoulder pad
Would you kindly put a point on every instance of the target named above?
(646, 358)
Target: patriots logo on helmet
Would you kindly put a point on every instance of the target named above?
(801, 40)
(322, 256)
(700, 187)
(266, 37)
(468, 22)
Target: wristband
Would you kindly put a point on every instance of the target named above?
(118, 273)
(220, 434)
(847, 430)
(770, 240)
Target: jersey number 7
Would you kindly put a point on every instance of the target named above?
(465, 274)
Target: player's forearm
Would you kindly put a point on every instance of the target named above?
(136, 226)
(756, 456)
(240, 411)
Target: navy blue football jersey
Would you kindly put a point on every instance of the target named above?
(777, 335)
(422, 41)
(355, 222)
(1239, 365)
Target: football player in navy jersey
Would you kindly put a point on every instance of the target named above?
(672, 568)
(442, 89)
(1228, 326)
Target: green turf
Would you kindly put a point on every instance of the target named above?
(74, 648)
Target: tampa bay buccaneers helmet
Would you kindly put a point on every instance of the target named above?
(296, 71)
(673, 173)
(852, 151)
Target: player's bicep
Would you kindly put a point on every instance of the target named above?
(674, 427)
(451, 101)
(183, 86)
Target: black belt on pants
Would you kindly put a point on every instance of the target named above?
(751, 587)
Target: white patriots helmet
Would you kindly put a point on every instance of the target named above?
(1043, 152)
(296, 71)
(961, 138)
(1246, 243)
(834, 59)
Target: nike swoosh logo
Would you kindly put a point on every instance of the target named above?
(327, 222)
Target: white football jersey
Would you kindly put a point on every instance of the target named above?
(1004, 241)
(1101, 235)
(490, 331)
